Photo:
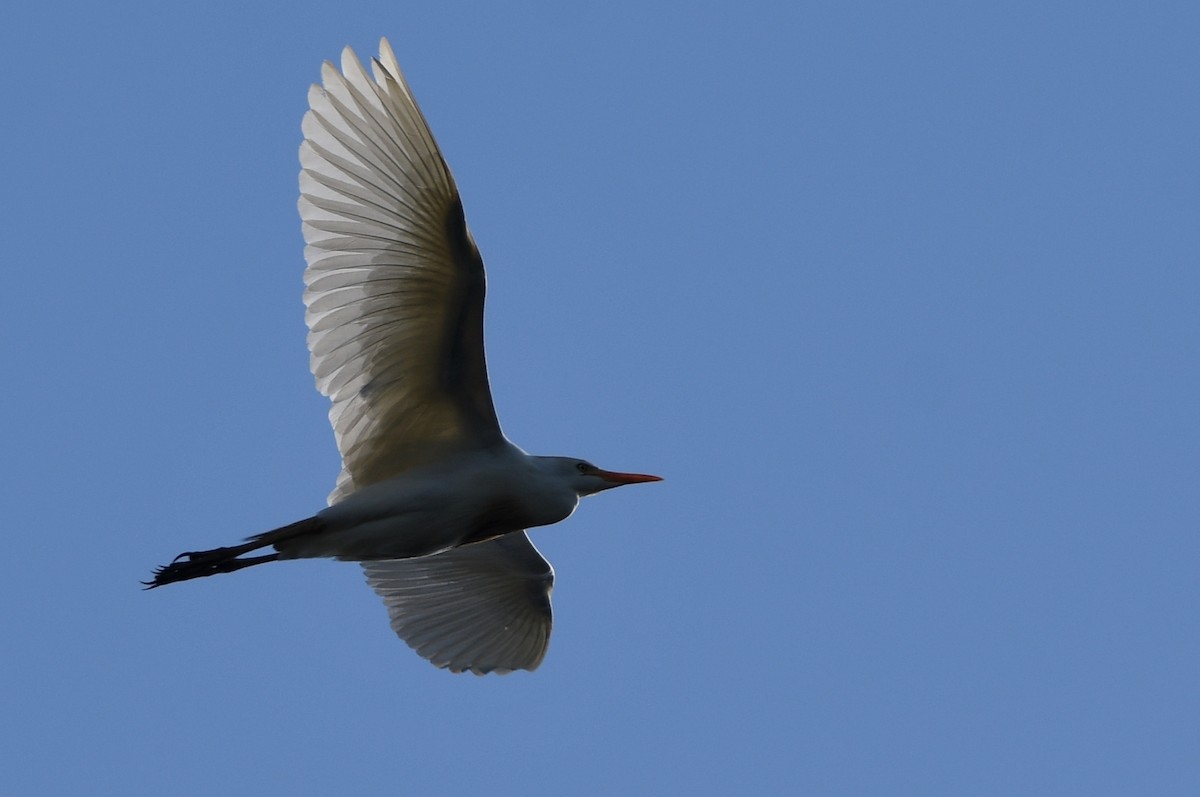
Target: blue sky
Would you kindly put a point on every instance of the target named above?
(902, 299)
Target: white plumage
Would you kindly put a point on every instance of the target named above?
(432, 498)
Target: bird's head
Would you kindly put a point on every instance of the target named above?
(586, 479)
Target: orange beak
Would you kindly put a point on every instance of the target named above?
(625, 478)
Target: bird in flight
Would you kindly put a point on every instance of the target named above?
(433, 500)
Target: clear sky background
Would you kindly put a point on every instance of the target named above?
(903, 300)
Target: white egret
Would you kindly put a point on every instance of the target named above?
(432, 499)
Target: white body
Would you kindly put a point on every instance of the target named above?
(432, 508)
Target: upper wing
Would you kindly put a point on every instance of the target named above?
(395, 285)
(482, 607)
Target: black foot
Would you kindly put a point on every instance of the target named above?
(203, 563)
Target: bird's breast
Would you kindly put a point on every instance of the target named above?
(499, 516)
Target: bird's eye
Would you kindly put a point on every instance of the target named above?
(583, 467)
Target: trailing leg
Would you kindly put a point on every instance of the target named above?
(197, 564)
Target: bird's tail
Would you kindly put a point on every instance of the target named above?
(196, 564)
